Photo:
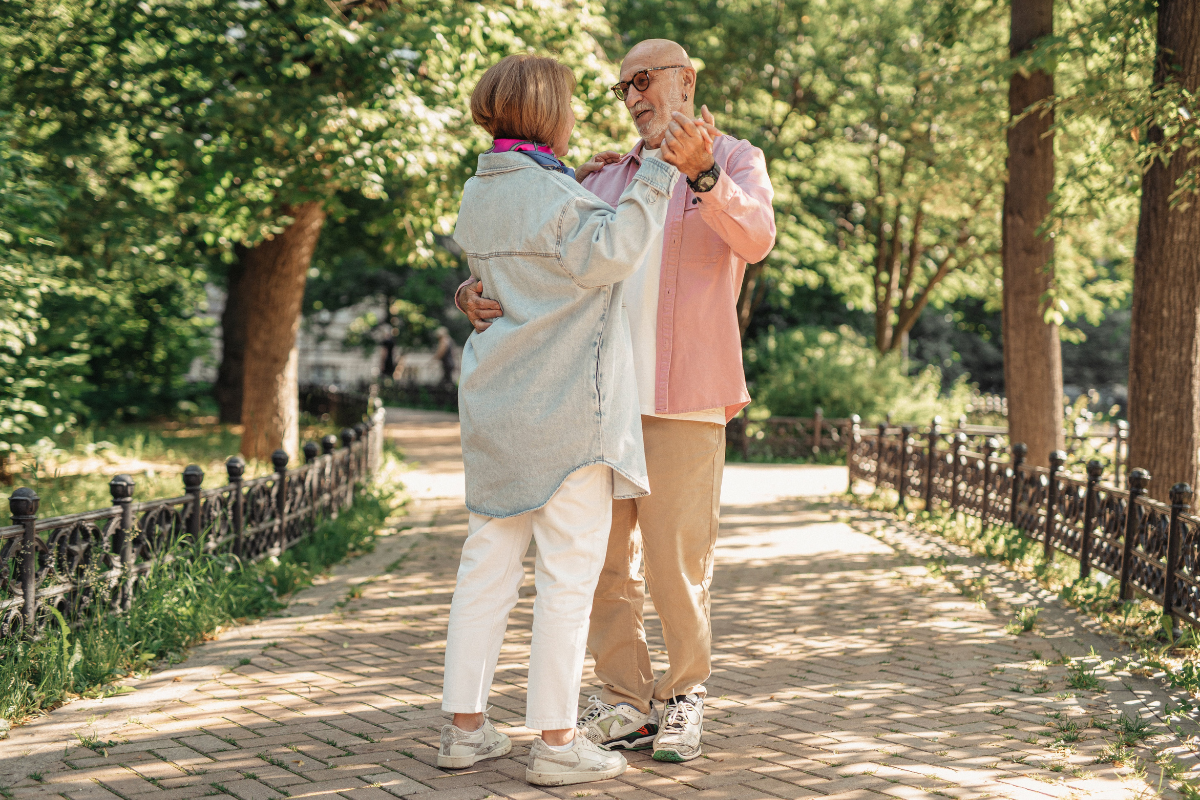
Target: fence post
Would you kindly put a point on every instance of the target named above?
(902, 474)
(348, 489)
(1181, 495)
(960, 439)
(851, 448)
(193, 477)
(1122, 445)
(818, 421)
(279, 460)
(879, 455)
(361, 430)
(1057, 459)
(121, 489)
(1138, 480)
(990, 446)
(930, 461)
(1094, 472)
(1019, 452)
(235, 468)
(23, 505)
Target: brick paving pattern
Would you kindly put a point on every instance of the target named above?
(843, 667)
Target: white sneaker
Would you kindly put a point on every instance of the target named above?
(461, 749)
(619, 727)
(586, 761)
(683, 722)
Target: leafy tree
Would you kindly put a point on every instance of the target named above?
(244, 125)
(1032, 352)
(129, 278)
(880, 139)
(1164, 375)
(38, 387)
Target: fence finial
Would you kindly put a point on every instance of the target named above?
(1057, 459)
(347, 437)
(121, 489)
(328, 444)
(311, 451)
(23, 504)
(1139, 479)
(280, 460)
(1181, 494)
(1095, 470)
(193, 477)
(235, 466)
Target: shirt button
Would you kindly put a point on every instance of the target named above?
(695, 200)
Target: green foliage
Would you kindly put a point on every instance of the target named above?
(884, 129)
(38, 386)
(794, 372)
(179, 601)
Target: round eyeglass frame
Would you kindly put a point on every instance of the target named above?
(619, 89)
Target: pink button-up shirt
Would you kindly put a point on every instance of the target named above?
(708, 240)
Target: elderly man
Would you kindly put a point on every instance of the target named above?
(688, 366)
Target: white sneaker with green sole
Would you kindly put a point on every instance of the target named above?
(678, 738)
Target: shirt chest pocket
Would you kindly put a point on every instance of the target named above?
(701, 246)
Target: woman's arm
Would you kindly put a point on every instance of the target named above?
(600, 245)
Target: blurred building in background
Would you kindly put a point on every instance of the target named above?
(324, 358)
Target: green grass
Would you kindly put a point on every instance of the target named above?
(180, 601)
(154, 453)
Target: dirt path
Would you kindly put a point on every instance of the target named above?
(842, 667)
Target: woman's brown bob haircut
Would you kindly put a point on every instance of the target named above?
(524, 97)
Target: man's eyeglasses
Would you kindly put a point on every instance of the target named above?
(639, 81)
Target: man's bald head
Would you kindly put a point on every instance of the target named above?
(670, 90)
(653, 53)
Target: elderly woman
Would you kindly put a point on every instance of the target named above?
(548, 401)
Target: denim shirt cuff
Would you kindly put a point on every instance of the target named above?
(658, 174)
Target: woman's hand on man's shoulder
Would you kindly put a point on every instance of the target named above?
(596, 163)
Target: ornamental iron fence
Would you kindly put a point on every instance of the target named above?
(805, 437)
(72, 562)
(1151, 548)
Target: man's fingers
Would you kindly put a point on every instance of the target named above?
(707, 116)
(684, 123)
(476, 287)
(482, 326)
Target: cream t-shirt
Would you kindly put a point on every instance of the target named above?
(641, 299)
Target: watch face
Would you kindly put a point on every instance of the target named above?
(706, 181)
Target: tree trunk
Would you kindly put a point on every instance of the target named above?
(750, 297)
(1164, 361)
(1032, 354)
(228, 388)
(276, 272)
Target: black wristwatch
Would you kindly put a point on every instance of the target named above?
(706, 180)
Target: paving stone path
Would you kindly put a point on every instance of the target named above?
(843, 666)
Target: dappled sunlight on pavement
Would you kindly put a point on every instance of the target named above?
(842, 667)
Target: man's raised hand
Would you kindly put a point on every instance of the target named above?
(688, 144)
(479, 310)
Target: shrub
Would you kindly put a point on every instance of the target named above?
(793, 372)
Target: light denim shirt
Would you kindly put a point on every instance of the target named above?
(549, 387)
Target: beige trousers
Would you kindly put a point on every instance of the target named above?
(678, 534)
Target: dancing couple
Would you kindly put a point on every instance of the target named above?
(593, 397)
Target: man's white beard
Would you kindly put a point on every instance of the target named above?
(656, 127)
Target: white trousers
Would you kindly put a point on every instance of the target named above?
(571, 532)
